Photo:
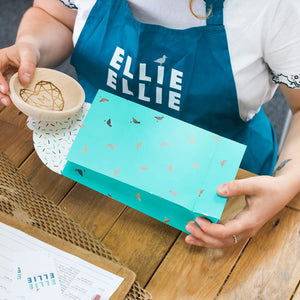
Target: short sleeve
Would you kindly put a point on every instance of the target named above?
(69, 3)
(282, 42)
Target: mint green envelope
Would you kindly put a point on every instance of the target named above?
(161, 166)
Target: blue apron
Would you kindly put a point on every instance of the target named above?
(186, 74)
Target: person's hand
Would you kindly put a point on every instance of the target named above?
(265, 196)
(22, 58)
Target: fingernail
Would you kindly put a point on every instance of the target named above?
(4, 101)
(2, 88)
(196, 221)
(27, 75)
(189, 240)
(223, 189)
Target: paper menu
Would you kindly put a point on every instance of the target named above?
(78, 279)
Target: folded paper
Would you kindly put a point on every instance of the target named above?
(159, 165)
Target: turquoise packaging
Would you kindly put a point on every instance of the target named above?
(154, 163)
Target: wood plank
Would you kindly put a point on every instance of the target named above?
(269, 267)
(2, 107)
(140, 242)
(45, 181)
(13, 116)
(15, 137)
(92, 210)
(16, 142)
(198, 272)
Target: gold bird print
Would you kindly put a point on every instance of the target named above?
(192, 140)
(195, 165)
(200, 192)
(166, 221)
(222, 163)
(159, 118)
(104, 100)
(85, 149)
(116, 171)
(216, 138)
(135, 121)
(112, 147)
(164, 144)
(138, 196)
(108, 122)
(170, 167)
(173, 193)
(138, 145)
(79, 172)
(144, 168)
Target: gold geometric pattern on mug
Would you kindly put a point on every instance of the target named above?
(45, 95)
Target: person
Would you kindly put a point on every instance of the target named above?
(212, 64)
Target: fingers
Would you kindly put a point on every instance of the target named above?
(4, 98)
(240, 224)
(22, 58)
(248, 186)
(201, 238)
(207, 234)
(28, 62)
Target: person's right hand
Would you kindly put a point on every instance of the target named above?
(22, 58)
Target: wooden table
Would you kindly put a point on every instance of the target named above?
(266, 267)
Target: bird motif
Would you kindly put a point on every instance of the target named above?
(159, 118)
(108, 122)
(195, 165)
(116, 171)
(85, 149)
(161, 60)
(79, 172)
(170, 167)
(173, 193)
(104, 100)
(166, 221)
(138, 196)
(222, 163)
(111, 146)
(135, 121)
(192, 140)
(216, 138)
(200, 192)
(138, 145)
(144, 168)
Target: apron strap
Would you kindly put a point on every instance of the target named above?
(216, 15)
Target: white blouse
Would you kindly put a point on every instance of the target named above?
(263, 40)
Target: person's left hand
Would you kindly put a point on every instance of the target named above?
(265, 196)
